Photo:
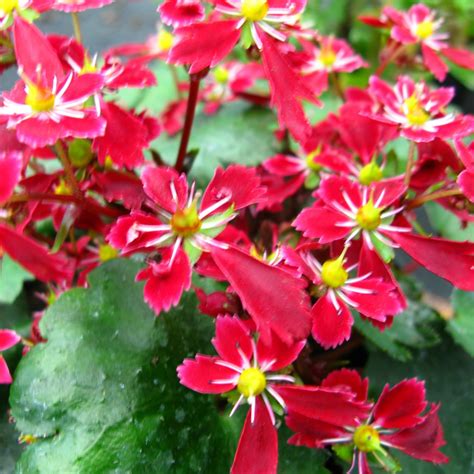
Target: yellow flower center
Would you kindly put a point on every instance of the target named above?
(221, 75)
(39, 99)
(327, 57)
(370, 173)
(367, 439)
(368, 216)
(7, 6)
(333, 272)
(311, 163)
(88, 67)
(186, 222)
(164, 40)
(424, 29)
(63, 189)
(415, 113)
(107, 252)
(254, 10)
(252, 382)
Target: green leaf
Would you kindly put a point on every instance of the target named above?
(9, 447)
(298, 459)
(461, 327)
(415, 328)
(154, 99)
(12, 277)
(102, 394)
(237, 133)
(447, 370)
(14, 316)
(447, 224)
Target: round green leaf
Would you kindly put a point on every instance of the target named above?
(102, 394)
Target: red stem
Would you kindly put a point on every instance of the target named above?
(391, 57)
(194, 81)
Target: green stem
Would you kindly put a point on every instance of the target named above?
(419, 201)
(77, 27)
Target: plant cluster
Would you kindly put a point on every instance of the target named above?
(284, 255)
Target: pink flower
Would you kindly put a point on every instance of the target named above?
(419, 25)
(116, 74)
(332, 55)
(7, 339)
(181, 12)
(47, 105)
(228, 82)
(417, 110)
(371, 292)
(397, 420)
(79, 5)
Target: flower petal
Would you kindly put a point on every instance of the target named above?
(199, 373)
(331, 327)
(165, 283)
(232, 335)
(274, 298)
(421, 441)
(8, 339)
(257, 452)
(401, 405)
(158, 183)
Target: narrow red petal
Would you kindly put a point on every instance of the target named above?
(257, 452)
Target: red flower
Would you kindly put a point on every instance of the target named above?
(396, 421)
(182, 223)
(371, 292)
(47, 105)
(203, 45)
(346, 210)
(250, 367)
(7, 339)
(417, 110)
